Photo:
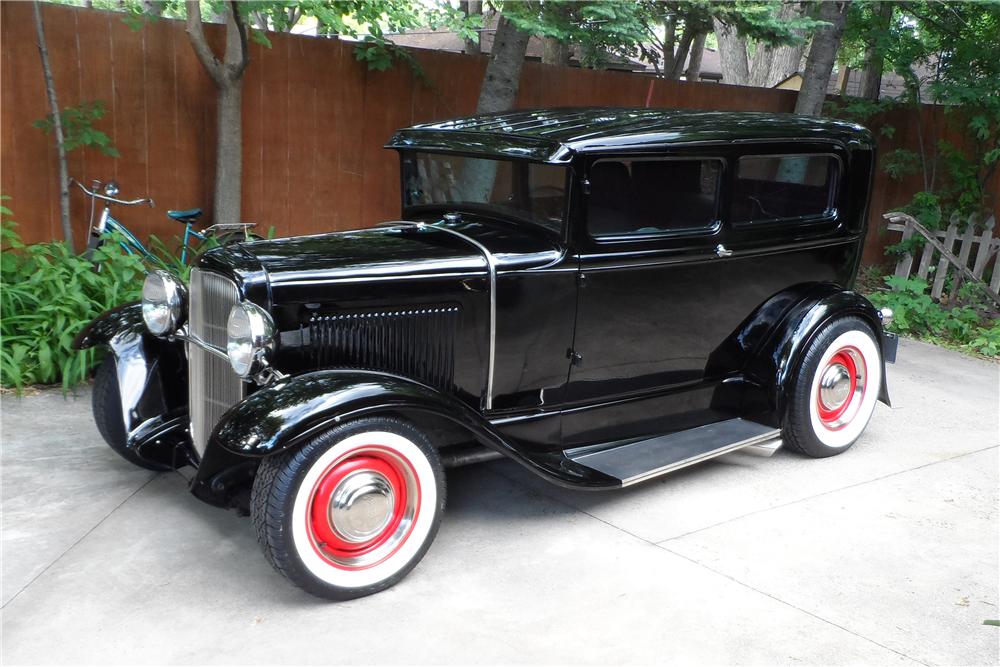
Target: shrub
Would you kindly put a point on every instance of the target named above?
(966, 326)
(47, 295)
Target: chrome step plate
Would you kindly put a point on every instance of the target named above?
(636, 461)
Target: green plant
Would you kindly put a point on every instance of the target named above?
(965, 325)
(47, 294)
(987, 343)
(78, 127)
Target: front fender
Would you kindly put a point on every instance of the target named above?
(285, 414)
(118, 322)
(774, 365)
(288, 412)
(152, 381)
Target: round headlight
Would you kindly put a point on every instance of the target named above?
(163, 298)
(251, 337)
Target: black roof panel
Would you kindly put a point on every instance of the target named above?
(554, 134)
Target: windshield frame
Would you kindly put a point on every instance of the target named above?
(485, 209)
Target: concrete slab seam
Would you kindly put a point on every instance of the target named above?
(81, 539)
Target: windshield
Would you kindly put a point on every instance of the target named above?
(510, 188)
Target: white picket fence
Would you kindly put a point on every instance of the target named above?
(966, 264)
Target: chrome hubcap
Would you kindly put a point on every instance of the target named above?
(835, 386)
(361, 506)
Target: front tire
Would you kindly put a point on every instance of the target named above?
(835, 391)
(107, 405)
(352, 511)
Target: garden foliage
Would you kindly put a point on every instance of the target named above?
(966, 326)
(47, 295)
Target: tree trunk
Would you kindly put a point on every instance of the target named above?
(773, 64)
(229, 154)
(760, 65)
(57, 129)
(694, 62)
(680, 58)
(786, 62)
(554, 51)
(669, 39)
(227, 74)
(732, 54)
(822, 53)
(871, 74)
(473, 8)
(503, 73)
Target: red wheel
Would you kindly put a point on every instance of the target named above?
(841, 389)
(352, 511)
(362, 507)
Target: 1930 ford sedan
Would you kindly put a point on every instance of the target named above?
(601, 295)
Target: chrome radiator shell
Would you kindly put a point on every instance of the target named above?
(213, 386)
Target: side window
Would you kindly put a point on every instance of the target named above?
(632, 197)
(769, 188)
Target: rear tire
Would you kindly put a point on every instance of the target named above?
(106, 403)
(352, 511)
(835, 390)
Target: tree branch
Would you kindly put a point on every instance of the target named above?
(241, 27)
(200, 45)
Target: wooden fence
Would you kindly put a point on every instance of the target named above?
(314, 121)
(964, 265)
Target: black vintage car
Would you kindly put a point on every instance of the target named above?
(601, 295)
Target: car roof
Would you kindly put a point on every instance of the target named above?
(556, 134)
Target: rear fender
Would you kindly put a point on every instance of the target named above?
(773, 366)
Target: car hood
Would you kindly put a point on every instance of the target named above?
(392, 251)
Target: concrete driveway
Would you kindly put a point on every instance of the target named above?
(887, 554)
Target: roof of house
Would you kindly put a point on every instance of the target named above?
(555, 134)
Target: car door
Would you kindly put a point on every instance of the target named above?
(649, 249)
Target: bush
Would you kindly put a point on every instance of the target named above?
(47, 295)
(966, 326)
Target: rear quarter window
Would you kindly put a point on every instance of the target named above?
(773, 188)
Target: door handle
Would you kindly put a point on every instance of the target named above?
(722, 251)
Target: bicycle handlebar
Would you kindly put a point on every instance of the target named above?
(124, 202)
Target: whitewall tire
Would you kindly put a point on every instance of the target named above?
(835, 390)
(352, 511)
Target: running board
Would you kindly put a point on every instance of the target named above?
(636, 461)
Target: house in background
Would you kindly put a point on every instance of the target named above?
(843, 80)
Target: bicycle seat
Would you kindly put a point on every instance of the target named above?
(186, 216)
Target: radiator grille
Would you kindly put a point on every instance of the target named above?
(213, 386)
(417, 343)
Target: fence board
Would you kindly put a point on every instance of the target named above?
(963, 256)
(985, 242)
(905, 264)
(925, 261)
(995, 283)
(942, 266)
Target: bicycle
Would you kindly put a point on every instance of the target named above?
(222, 233)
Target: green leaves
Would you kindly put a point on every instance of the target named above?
(47, 294)
(966, 325)
(78, 127)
